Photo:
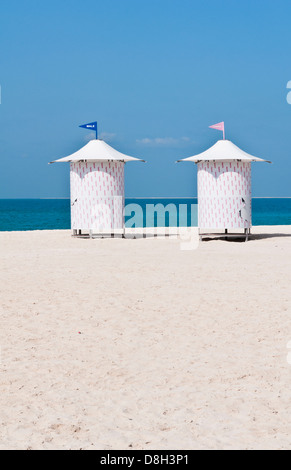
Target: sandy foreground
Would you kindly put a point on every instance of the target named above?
(136, 344)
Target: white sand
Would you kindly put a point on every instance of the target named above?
(178, 349)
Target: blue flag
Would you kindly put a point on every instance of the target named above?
(92, 126)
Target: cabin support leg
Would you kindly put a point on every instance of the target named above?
(199, 235)
(247, 234)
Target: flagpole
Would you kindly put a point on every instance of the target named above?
(93, 126)
(219, 127)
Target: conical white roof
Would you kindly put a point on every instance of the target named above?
(96, 151)
(223, 150)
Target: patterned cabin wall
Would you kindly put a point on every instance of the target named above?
(97, 195)
(224, 195)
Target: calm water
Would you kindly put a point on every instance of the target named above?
(52, 214)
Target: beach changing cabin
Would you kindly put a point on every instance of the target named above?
(97, 188)
(224, 188)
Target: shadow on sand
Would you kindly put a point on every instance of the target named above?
(235, 238)
(252, 237)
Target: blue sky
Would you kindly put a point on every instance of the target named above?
(155, 74)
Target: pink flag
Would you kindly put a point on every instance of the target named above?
(219, 127)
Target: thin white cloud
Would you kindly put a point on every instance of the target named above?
(167, 141)
(90, 136)
(107, 136)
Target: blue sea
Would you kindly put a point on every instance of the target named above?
(54, 214)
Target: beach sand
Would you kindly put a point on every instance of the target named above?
(135, 344)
